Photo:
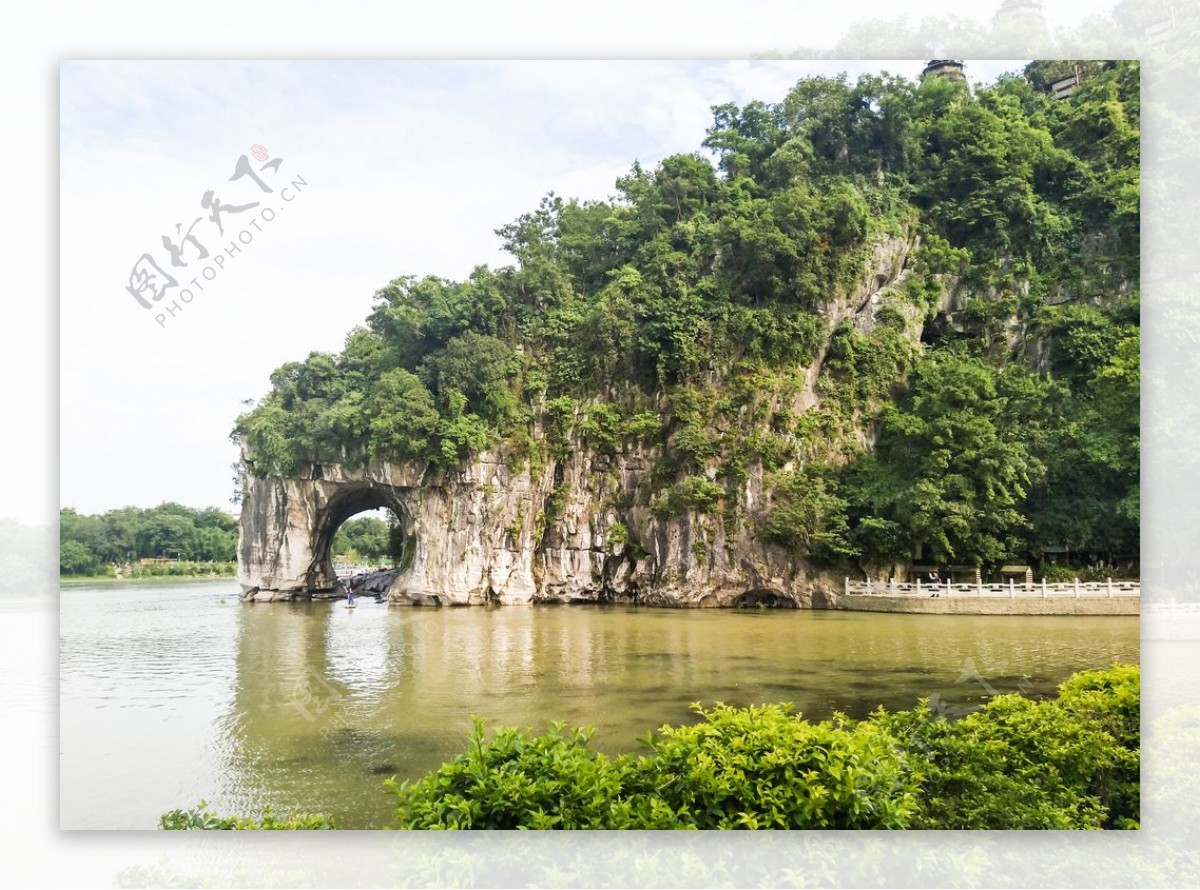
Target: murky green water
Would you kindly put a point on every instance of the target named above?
(174, 693)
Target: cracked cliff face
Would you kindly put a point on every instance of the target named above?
(480, 534)
(579, 529)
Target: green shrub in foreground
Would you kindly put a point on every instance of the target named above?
(1111, 700)
(765, 767)
(762, 767)
(1066, 763)
(200, 819)
(513, 780)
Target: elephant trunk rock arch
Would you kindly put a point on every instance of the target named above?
(577, 529)
(288, 525)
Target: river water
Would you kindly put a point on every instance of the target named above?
(174, 693)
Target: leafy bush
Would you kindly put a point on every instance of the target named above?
(618, 534)
(776, 338)
(765, 767)
(560, 494)
(1065, 763)
(514, 780)
(462, 433)
(602, 427)
(1058, 574)
(891, 318)
(808, 514)
(738, 768)
(199, 818)
(861, 370)
(182, 569)
(694, 493)
(1111, 700)
(696, 443)
(643, 426)
(1101, 571)
(560, 416)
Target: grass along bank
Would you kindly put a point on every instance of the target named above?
(172, 571)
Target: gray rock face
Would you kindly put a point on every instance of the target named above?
(580, 529)
(372, 583)
(479, 535)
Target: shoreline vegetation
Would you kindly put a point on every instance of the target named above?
(163, 541)
(1069, 762)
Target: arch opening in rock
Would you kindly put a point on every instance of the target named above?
(323, 576)
(763, 598)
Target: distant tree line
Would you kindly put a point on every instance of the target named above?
(367, 539)
(89, 543)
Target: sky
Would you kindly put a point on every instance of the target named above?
(396, 168)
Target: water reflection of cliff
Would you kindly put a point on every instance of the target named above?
(329, 701)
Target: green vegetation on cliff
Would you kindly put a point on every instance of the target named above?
(734, 310)
(1065, 763)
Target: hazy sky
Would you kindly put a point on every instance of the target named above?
(409, 167)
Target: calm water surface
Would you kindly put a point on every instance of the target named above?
(174, 693)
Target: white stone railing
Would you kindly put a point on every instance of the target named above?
(1011, 588)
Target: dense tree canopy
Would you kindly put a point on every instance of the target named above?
(990, 409)
(87, 543)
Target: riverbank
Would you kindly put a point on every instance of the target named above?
(1108, 597)
(999, 605)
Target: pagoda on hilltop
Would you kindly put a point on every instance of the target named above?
(952, 69)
